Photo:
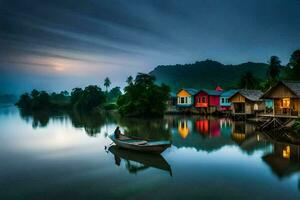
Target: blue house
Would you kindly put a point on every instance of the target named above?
(224, 102)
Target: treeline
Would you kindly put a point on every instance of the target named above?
(141, 98)
(84, 100)
(275, 72)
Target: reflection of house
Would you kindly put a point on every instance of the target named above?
(286, 99)
(183, 128)
(246, 102)
(208, 101)
(185, 98)
(224, 100)
(284, 160)
(209, 127)
(248, 140)
(241, 130)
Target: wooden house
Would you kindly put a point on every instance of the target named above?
(246, 102)
(225, 104)
(185, 97)
(286, 99)
(208, 101)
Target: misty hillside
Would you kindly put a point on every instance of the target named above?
(206, 74)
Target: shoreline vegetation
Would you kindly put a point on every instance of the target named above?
(143, 97)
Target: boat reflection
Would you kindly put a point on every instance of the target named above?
(136, 161)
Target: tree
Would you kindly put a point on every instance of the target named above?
(273, 72)
(142, 98)
(24, 101)
(107, 83)
(274, 68)
(248, 81)
(294, 66)
(91, 97)
(76, 95)
(114, 94)
(129, 80)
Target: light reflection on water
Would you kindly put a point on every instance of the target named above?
(63, 155)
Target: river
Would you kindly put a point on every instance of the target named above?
(69, 156)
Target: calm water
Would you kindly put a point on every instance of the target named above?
(63, 156)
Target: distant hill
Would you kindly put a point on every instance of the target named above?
(206, 74)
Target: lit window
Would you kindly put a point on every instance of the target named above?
(286, 103)
(286, 152)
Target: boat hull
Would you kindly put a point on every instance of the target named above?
(150, 147)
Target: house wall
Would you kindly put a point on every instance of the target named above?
(226, 102)
(188, 100)
(214, 101)
(237, 98)
(198, 100)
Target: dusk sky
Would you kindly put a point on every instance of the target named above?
(61, 44)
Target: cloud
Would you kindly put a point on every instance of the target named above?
(119, 38)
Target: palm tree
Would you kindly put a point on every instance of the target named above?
(274, 68)
(107, 83)
(294, 66)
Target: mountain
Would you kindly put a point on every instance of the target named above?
(206, 74)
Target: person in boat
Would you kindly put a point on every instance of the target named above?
(117, 132)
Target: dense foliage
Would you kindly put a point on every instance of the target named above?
(89, 98)
(35, 100)
(294, 66)
(143, 98)
(83, 100)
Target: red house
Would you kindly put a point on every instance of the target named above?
(208, 101)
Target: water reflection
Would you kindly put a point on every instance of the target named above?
(67, 149)
(137, 162)
(284, 160)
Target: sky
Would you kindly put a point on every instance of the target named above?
(57, 45)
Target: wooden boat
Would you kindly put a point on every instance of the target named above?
(141, 145)
(146, 160)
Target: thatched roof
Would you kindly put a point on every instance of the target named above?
(252, 95)
(293, 86)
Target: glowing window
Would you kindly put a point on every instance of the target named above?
(286, 103)
(286, 152)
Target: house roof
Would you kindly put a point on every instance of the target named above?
(212, 92)
(252, 95)
(228, 93)
(191, 91)
(293, 86)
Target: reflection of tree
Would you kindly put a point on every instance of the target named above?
(91, 122)
(146, 128)
(39, 118)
